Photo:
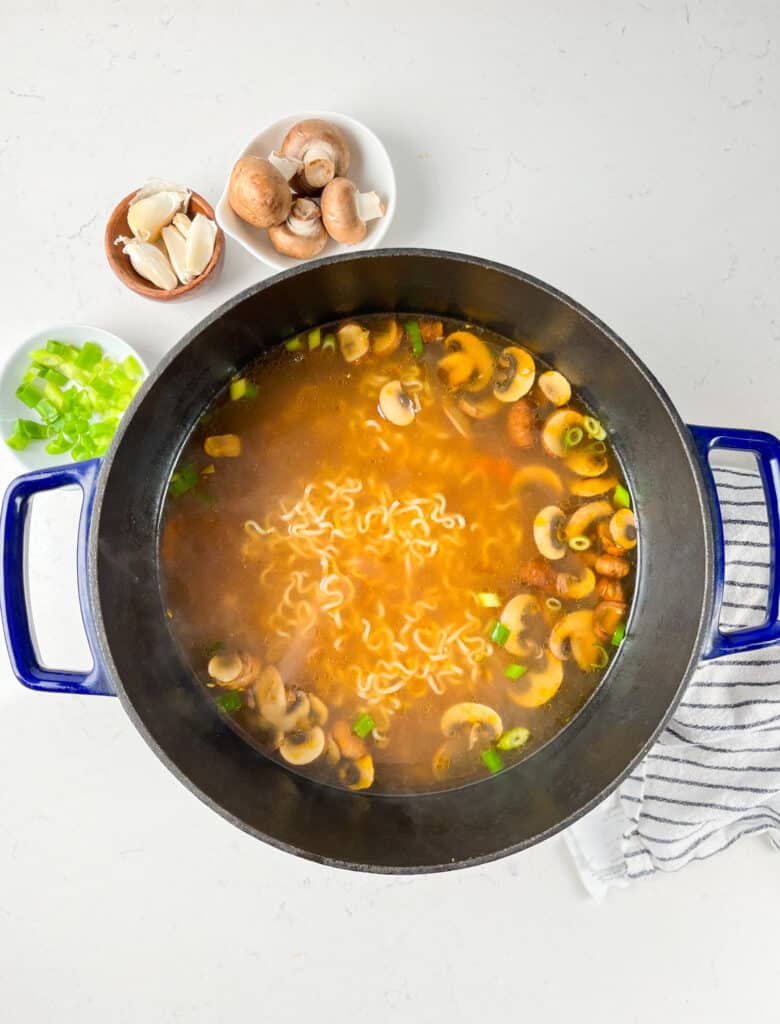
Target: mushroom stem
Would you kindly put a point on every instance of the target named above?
(369, 206)
(287, 166)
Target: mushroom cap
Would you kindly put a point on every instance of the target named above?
(386, 337)
(469, 713)
(581, 520)
(547, 525)
(303, 746)
(474, 354)
(538, 685)
(353, 341)
(622, 527)
(258, 193)
(554, 431)
(340, 212)
(587, 463)
(574, 633)
(539, 478)
(395, 405)
(514, 374)
(555, 387)
(479, 407)
(302, 235)
(323, 149)
(225, 666)
(592, 487)
(576, 587)
(518, 610)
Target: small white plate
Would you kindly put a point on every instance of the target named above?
(370, 169)
(35, 455)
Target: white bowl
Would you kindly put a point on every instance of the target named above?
(370, 169)
(35, 455)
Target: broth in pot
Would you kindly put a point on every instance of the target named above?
(398, 553)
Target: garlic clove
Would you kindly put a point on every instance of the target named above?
(200, 244)
(155, 185)
(175, 246)
(149, 262)
(182, 223)
(148, 216)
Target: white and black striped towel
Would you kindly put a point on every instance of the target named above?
(713, 775)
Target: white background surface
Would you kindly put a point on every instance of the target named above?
(625, 151)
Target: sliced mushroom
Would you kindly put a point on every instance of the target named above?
(258, 193)
(607, 617)
(386, 337)
(622, 528)
(269, 735)
(332, 752)
(583, 518)
(468, 714)
(554, 431)
(587, 463)
(468, 362)
(350, 745)
(514, 374)
(302, 235)
(303, 746)
(322, 149)
(515, 616)
(395, 404)
(520, 424)
(539, 478)
(612, 566)
(538, 685)
(607, 541)
(574, 588)
(357, 774)
(282, 707)
(548, 530)
(233, 670)
(457, 418)
(353, 341)
(574, 635)
(555, 387)
(318, 710)
(446, 758)
(592, 487)
(346, 212)
(479, 408)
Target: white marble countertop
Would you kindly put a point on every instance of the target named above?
(627, 152)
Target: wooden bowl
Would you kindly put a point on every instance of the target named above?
(123, 268)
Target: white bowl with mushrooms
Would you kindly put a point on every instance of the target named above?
(299, 190)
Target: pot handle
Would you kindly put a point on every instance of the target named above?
(766, 448)
(16, 622)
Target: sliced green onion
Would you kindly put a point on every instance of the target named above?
(89, 356)
(132, 368)
(104, 389)
(488, 599)
(315, 337)
(499, 634)
(17, 441)
(553, 604)
(514, 671)
(31, 392)
(602, 658)
(414, 335)
(215, 648)
(207, 499)
(573, 436)
(621, 497)
(329, 343)
(617, 636)
(597, 447)
(579, 543)
(51, 374)
(59, 445)
(238, 388)
(60, 348)
(41, 357)
(491, 760)
(364, 725)
(594, 429)
(230, 701)
(33, 430)
(513, 739)
(293, 344)
(47, 410)
(183, 480)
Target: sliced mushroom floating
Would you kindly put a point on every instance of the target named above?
(269, 735)
(346, 212)
(555, 387)
(539, 478)
(554, 431)
(322, 150)
(318, 711)
(468, 714)
(282, 707)
(548, 528)
(574, 588)
(353, 341)
(583, 518)
(574, 635)
(395, 405)
(539, 685)
(622, 528)
(514, 374)
(357, 774)
(233, 669)
(302, 235)
(479, 407)
(592, 487)
(386, 337)
(446, 758)
(302, 746)
(515, 616)
(587, 462)
(468, 362)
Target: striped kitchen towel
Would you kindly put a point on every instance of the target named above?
(713, 775)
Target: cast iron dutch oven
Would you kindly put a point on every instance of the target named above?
(678, 590)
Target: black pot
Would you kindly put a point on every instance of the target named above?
(673, 620)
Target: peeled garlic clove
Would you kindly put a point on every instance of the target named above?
(175, 247)
(182, 223)
(149, 262)
(154, 185)
(200, 244)
(148, 216)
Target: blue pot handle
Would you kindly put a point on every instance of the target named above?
(16, 623)
(767, 450)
